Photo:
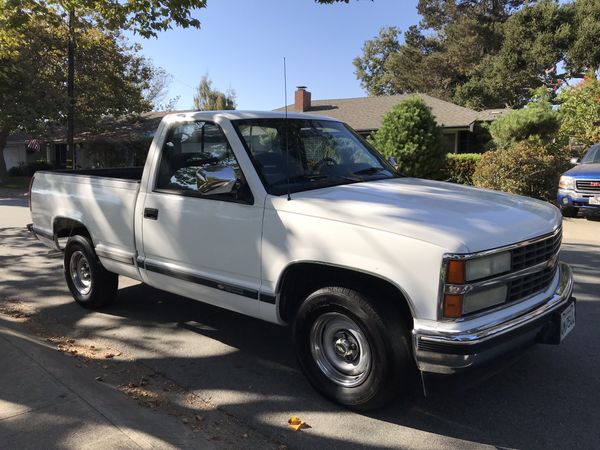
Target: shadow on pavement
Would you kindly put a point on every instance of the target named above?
(548, 399)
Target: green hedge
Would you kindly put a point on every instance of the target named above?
(27, 170)
(527, 168)
(460, 167)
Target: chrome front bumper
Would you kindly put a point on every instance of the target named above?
(448, 352)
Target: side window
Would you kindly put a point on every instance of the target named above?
(195, 152)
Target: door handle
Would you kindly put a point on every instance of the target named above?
(151, 213)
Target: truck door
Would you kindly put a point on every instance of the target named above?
(201, 227)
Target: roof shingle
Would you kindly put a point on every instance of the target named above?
(366, 113)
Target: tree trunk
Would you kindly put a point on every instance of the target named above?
(3, 171)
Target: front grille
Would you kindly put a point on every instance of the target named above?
(530, 284)
(588, 185)
(538, 252)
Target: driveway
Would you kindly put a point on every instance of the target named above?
(548, 399)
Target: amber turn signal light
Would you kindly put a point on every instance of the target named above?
(453, 306)
(456, 272)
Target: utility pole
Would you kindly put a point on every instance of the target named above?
(71, 88)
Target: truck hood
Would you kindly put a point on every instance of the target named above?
(584, 171)
(458, 218)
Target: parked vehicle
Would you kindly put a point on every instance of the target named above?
(296, 220)
(579, 187)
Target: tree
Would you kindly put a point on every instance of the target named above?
(410, 134)
(485, 53)
(580, 111)
(209, 99)
(32, 75)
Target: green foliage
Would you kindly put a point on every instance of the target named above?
(27, 170)
(33, 72)
(209, 99)
(526, 168)
(580, 112)
(484, 54)
(460, 167)
(104, 153)
(410, 134)
(140, 16)
(537, 120)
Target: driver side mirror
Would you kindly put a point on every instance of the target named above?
(393, 161)
(216, 179)
(574, 161)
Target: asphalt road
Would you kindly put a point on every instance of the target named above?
(547, 399)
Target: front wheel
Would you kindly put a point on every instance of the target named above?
(91, 285)
(352, 348)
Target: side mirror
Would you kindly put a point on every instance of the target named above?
(574, 161)
(393, 161)
(216, 180)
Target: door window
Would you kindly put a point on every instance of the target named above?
(194, 152)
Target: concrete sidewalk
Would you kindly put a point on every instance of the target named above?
(48, 402)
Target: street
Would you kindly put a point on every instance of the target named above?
(245, 368)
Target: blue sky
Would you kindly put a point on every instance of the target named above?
(242, 43)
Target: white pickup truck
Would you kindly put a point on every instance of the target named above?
(296, 220)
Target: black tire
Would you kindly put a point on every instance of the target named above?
(569, 211)
(329, 368)
(91, 285)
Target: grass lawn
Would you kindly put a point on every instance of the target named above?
(20, 183)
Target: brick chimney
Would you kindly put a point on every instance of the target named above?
(301, 99)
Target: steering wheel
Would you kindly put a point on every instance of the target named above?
(327, 161)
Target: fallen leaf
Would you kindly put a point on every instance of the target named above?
(296, 423)
(99, 379)
(199, 418)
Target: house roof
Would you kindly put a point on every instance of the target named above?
(489, 115)
(366, 113)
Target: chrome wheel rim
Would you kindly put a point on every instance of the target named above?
(80, 272)
(340, 349)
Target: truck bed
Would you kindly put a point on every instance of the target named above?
(102, 200)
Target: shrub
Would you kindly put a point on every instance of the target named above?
(27, 170)
(410, 134)
(537, 120)
(459, 167)
(526, 168)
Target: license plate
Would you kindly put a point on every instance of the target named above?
(567, 321)
(594, 200)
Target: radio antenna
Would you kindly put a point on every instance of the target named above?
(285, 126)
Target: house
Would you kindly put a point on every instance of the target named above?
(122, 142)
(365, 115)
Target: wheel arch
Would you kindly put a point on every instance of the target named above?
(65, 227)
(290, 294)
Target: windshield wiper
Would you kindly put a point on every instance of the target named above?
(369, 171)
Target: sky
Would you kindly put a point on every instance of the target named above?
(241, 45)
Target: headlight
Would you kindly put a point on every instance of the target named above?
(458, 300)
(487, 266)
(474, 301)
(566, 182)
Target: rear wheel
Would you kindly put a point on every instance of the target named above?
(569, 211)
(91, 285)
(352, 348)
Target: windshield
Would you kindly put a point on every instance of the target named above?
(592, 156)
(320, 153)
